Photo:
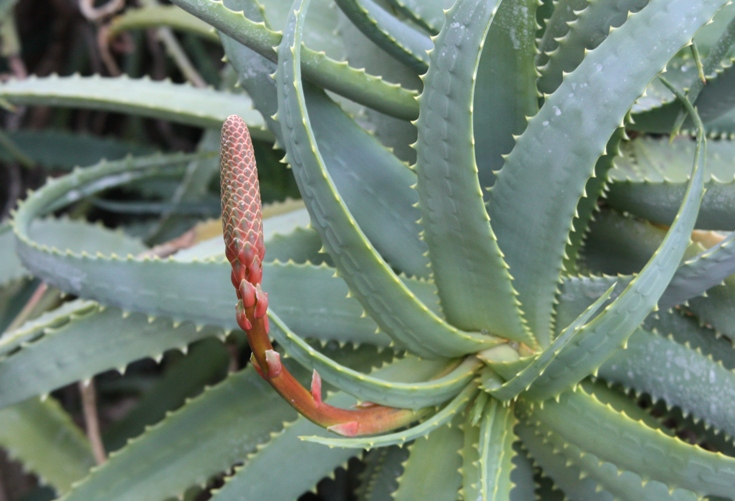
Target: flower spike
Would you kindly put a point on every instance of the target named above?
(242, 227)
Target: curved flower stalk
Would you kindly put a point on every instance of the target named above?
(245, 249)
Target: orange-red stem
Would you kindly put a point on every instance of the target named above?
(245, 249)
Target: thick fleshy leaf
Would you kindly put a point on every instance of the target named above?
(598, 429)
(43, 437)
(437, 453)
(59, 149)
(165, 100)
(426, 13)
(472, 278)
(677, 374)
(536, 193)
(371, 281)
(405, 43)
(610, 330)
(340, 78)
(506, 93)
(423, 383)
(651, 175)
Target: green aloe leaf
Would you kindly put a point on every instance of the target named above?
(588, 204)
(579, 419)
(405, 43)
(585, 476)
(698, 384)
(506, 93)
(619, 244)
(651, 174)
(156, 16)
(591, 26)
(155, 99)
(231, 422)
(382, 468)
(53, 360)
(43, 437)
(11, 269)
(212, 301)
(496, 451)
(530, 218)
(700, 273)
(204, 438)
(307, 462)
(610, 330)
(374, 284)
(436, 452)
(205, 363)
(471, 276)
(687, 330)
(59, 149)
(563, 13)
(340, 78)
(526, 377)
(428, 14)
(431, 382)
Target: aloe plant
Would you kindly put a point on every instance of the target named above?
(510, 273)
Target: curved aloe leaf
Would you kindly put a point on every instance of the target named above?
(204, 364)
(627, 243)
(526, 377)
(437, 452)
(496, 451)
(389, 302)
(610, 330)
(472, 278)
(414, 395)
(32, 330)
(156, 16)
(11, 268)
(211, 302)
(530, 218)
(226, 424)
(340, 78)
(687, 330)
(307, 463)
(698, 274)
(382, 468)
(204, 438)
(652, 173)
(698, 384)
(718, 51)
(63, 149)
(557, 26)
(155, 99)
(398, 39)
(42, 436)
(428, 14)
(506, 93)
(585, 476)
(590, 27)
(52, 361)
(588, 204)
(657, 456)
